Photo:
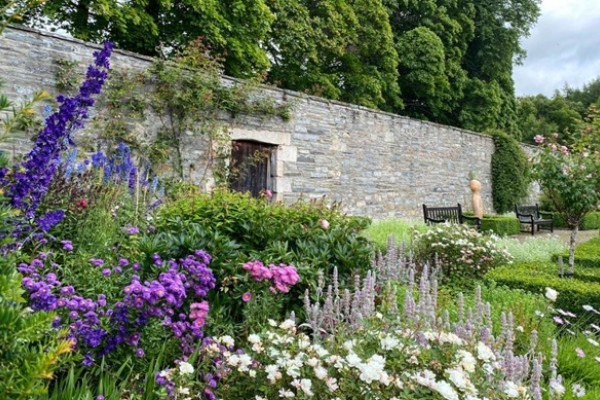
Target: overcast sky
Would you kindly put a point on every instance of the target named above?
(564, 46)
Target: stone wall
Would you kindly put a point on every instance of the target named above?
(375, 163)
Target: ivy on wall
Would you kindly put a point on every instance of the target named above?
(510, 172)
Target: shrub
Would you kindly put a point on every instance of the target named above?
(510, 173)
(535, 277)
(533, 248)
(590, 221)
(500, 225)
(463, 253)
(30, 349)
(586, 254)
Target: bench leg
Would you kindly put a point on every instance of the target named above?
(532, 229)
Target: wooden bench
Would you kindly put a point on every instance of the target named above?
(531, 215)
(448, 214)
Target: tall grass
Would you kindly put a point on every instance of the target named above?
(402, 231)
(534, 248)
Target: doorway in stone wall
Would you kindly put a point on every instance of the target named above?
(250, 166)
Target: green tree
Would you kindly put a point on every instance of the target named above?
(569, 177)
(235, 29)
(426, 88)
(510, 172)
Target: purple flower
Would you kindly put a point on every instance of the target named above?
(139, 352)
(124, 262)
(246, 297)
(33, 177)
(100, 397)
(106, 272)
(67, 245)
(132, 230)
(98, 262)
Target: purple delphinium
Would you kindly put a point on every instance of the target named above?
(32, 178)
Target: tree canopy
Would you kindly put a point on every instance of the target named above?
(448, 61)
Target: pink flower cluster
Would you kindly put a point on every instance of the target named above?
(282, 276)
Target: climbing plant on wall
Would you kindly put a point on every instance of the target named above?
(187, 97)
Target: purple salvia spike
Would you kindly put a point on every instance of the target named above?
(536, 378)
(461, 308)
(554, 360)
(336, 287)
(479, 306)
(533, 340)
(346, 304)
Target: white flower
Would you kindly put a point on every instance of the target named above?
(511, 389)
(306, 386)
(458, 378)
(353, 359)
(551, 294)
(593, 342)
(185, 368)
(288, 324)
(331, 384)
(321, 373)
(578, 390)
(183, 390)
(539, 313)
(227, 341)
(446, 390)
(286, 393)
(557, 387)
(259, 398)
(389, 342)
(467, 361)
(254, 338)
(273, 374)
(484, 353)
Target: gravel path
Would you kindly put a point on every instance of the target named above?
(563, 234)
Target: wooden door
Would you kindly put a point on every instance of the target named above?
(250, 167)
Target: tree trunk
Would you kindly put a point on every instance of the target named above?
(572, 249)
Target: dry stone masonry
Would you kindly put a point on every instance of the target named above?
(375, 163)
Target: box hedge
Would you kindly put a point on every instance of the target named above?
(574, 293)
(586, 254)
(590, 221)
(500, 225)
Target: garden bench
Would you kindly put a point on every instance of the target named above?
(448, 214)
(531, 215)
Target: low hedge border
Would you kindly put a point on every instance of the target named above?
(586, 254)
(500, 225)
(534, 277)
(590, 221)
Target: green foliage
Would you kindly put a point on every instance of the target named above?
(401, 230)
(586, 254)
(500, 225)
(534, 277)
(233, 29)
(522, 304)
(67, 77)
(533, 248)
(463, 253)
(186, 96)
(30, 350)
(583, 370)
(423, 73)
(510, 172)
(19, 118)
(236, 228)
(590, 221)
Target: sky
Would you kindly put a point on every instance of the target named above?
(564, 47)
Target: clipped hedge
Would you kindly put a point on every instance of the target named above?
(586, 254)
(534, 277)
(510, 172)
(500, 225)
(590, 221)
